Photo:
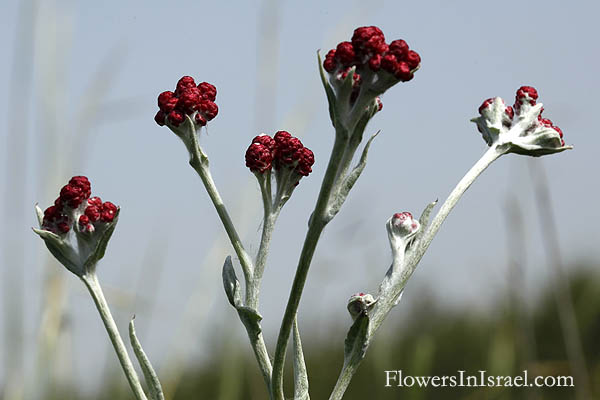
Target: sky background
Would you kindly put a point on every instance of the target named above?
(80, 81)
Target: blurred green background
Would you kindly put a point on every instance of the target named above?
(432, 341)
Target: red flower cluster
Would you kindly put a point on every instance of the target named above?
(369, 51)
(526, 96)
(188, 99)
(281, 151)
(75, 198)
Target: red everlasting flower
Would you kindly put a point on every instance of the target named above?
(109, 210)
(159, 118)
(413, 59)
(329, 63)
(510, 112)
(259, 158)
(266, 141)
(403, 72)
(209, 109)
(208, 91)
(281, 151)
(189, 99)
(344, 53)
(175, 118)
(184, 83)
(306, 161)
(197, 102)
(486, 103)
(75, 206)
(200, 120)
(525, 94)
(368, 51)
(519, 129)
(368, 39)
(167, 101)
(399, 48)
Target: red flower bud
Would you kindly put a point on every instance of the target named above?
(306, 161)
(413, 59)
(258, 158)
(399, 48)
(403, 72)
(175, 118)
(184, 83)
(109, 210)
(167, 101)
(344, 53)
(329, 64)
(209, 109)
(159, 118)
(208, 91)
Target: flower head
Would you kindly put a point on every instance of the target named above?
(519, 129)
(77, 227)
(376, 65)
(402, 228)
(281, 152)
(189, 99)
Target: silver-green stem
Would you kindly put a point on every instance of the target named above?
(201, 167)
(407, 264)
(315, 229)
(417, 250)
(344, 379)
(91, 281)
(256, 339)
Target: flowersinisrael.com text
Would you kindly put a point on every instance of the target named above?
(396, 378)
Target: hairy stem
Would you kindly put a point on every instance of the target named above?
(417, 250)
(403, 265)
(315, 229)
(344, 379)
(264, 181)
(256, 338)
(201, 167)
(91, 281)
(262, 358)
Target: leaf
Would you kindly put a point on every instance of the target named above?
(350, 180)
(60, 250)
(300, 374)
(357, 340)
(251, 320)
(424, 218)
(345, 91)
(40, 215)
(231, 284)
(150, 376)
(331, 99)
(102, 243)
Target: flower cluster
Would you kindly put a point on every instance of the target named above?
(283, 151)
(404, 224)
(402, 228)
(378, 64)
(195, 101)
(519, 128)
(75, 205)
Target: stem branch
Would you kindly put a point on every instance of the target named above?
(91, 281)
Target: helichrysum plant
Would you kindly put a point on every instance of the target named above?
(355, 74)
